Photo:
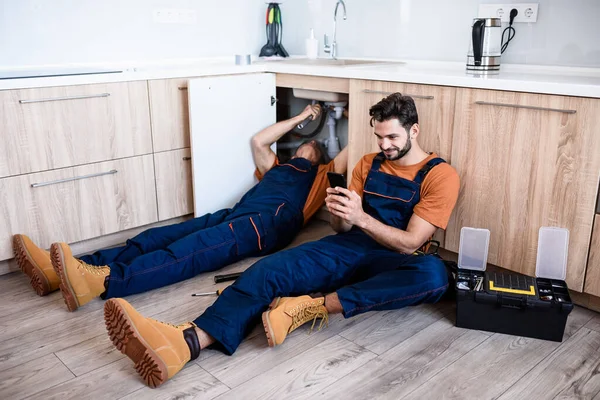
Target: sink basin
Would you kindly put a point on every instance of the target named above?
(319, 95)
(332, 62)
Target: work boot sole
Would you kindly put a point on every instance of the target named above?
(37, 279)
(127, 340)
(58, 263)
(267, 323)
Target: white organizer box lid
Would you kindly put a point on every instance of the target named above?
(552, 253)
(473, 248)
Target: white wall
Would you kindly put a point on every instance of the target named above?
(567, 31)
(36, 32)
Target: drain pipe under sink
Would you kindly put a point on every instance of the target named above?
(333, 142)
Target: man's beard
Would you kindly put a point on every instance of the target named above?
(399, 153)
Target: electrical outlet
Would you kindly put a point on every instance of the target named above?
(174, 16)
(528, 12)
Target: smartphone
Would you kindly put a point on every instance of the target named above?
(336, 179)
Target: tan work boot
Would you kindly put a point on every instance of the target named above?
(285, 314)
(35, 263)
(159, 350)
(80, 282)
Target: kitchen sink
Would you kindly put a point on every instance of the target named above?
(319, 95)
(332, 62)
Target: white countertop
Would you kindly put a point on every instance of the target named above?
(583, 82)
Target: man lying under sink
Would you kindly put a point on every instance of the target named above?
(266, 219)
(397, 200)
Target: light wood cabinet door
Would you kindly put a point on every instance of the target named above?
(74, 204)
(174, 183)
(435, 106)
(169, 114)
(57, 127)
(526, 161)
(592, 277)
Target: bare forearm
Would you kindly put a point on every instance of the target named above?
(273, 133)
(263, 156)
(341, 161)
(390, 237)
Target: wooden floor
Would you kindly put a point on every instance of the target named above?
(414, 353)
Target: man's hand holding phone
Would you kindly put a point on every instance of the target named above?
(342, 202)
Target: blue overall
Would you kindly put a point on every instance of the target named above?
(366, 275)
(266, 219)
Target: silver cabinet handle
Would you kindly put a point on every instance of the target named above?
(415, 96)
(187, 158)
(85, 96)
(487, 103)
(75, 178)
(182, 88)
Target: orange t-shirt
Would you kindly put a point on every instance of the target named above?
(317, 194)
(439, 190)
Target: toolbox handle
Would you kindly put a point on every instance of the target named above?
(511, 302)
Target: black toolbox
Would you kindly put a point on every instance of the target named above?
(511, 303)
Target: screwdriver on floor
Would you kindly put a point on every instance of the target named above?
(217, 293)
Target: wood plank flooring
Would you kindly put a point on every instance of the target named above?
(414, 353)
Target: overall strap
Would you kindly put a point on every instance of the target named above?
(379, 158)
(426, 168)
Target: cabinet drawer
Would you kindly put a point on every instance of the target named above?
(174, 183)
(169, 114)
(74, 204)
(57, 127)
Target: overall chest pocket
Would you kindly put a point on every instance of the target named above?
(390, 203)
(391, 194)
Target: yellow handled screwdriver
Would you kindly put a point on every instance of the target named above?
(218, 292)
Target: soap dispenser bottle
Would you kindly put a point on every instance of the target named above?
(312, 46)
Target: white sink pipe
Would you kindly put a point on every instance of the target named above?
(333, 142)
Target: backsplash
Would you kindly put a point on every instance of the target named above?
(566, 33)
(36, 32)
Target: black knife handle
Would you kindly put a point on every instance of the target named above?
(303, 124)
(227, 277)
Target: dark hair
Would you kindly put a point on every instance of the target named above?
(324, 159)
(395, 106)
(323, 155)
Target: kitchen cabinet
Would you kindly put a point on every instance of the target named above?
(169, 114)
(173, 171)
(225, 112)
(78, 203)
(435, 106)
(526, 161)
(57, 127)
(60, 193)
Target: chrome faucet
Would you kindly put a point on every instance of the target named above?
(333, 48)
